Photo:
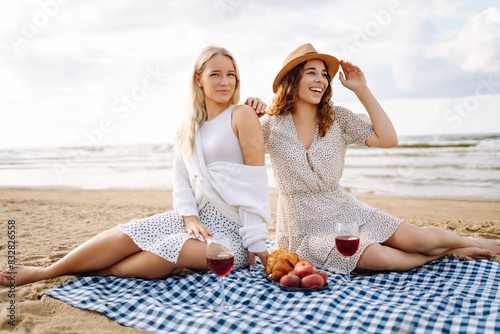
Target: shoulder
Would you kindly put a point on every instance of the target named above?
(272, 119)
(341, 113)
(265, 120)
(341, 110)
(244, 113)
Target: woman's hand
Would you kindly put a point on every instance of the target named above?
(258, 105)
(193, 226)
(262, 256)
(352, 77)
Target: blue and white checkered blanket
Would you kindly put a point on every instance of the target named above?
(447, 296)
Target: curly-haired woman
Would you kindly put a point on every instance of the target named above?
(306, 137)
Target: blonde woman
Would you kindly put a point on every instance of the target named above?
(220, 186)
(306, 137)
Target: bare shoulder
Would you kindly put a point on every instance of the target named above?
(245, 121)
(244, 112)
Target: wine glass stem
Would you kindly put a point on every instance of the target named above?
(223, 291)
(348, 270)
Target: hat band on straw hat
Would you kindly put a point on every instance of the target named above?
(301, 54)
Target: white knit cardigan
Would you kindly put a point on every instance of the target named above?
(239, 192)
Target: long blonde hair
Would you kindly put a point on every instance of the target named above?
(197, 113)
(287, 95)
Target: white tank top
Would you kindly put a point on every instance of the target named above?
(218, 140)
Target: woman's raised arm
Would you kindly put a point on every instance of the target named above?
(354, 80)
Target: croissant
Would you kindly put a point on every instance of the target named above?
(278, 252)
(280, 269)
(271, 260)
(291, 258)
(269, 265)
(280, 263)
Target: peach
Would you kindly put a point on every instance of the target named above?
(303, 269)
(291, 281)
(322, 274)
(312, 281)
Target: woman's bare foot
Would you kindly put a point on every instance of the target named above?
(490, 244)
(21, 275)
(473, 252)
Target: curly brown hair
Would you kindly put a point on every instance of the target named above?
(286, 98)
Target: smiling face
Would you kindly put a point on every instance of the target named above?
(313, 83)
(218, 80)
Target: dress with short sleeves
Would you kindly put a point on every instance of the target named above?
(311, 200)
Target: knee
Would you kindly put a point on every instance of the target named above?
(375, 258)
(413, 239)
(423, 240)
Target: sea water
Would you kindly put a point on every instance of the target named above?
(423, 166)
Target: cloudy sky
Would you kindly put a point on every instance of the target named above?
(97, 72)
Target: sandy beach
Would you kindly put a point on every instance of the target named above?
(51, 222)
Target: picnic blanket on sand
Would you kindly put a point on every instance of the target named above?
(446, 296)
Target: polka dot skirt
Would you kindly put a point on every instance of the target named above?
(162, 235)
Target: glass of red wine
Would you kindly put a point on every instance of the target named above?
(220, 260)
(347, 242)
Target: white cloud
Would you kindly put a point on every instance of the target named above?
(476, 48)
(65, 78)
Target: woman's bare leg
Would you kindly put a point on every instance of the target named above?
(148, 265)
(101, 251)
(384, 258)
(436, 241)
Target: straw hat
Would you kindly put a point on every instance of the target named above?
(305, 53)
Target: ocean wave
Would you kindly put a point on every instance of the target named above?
(449, 141)
(424, 166)
(437, 145)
